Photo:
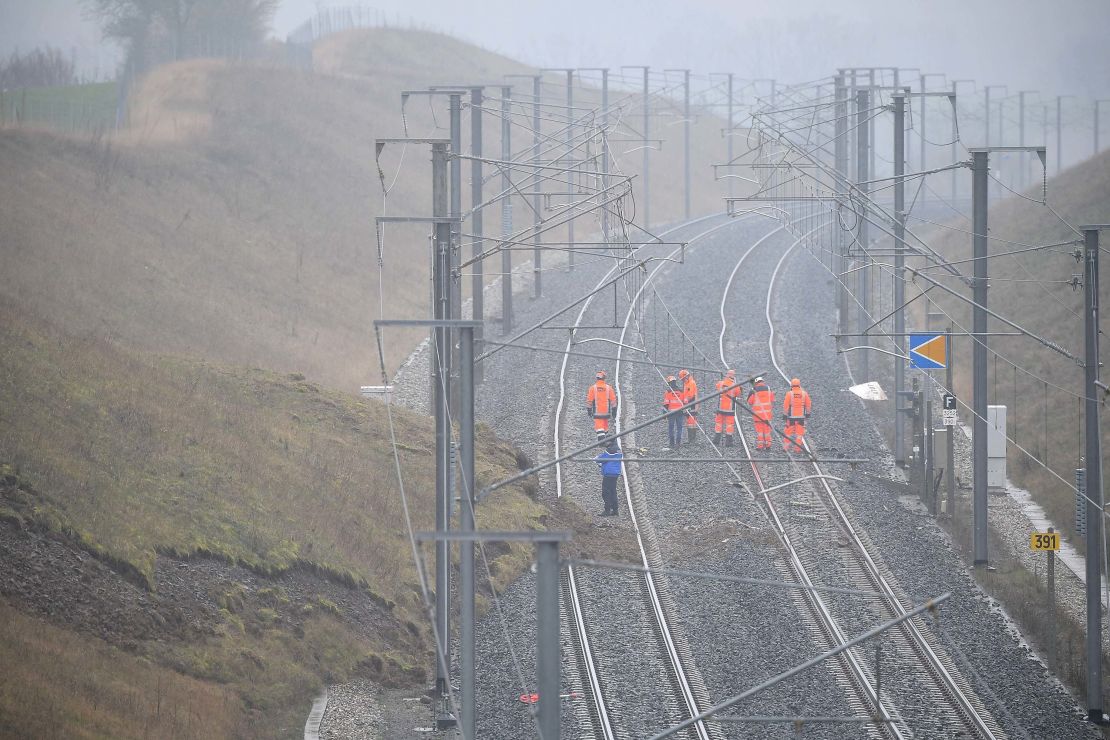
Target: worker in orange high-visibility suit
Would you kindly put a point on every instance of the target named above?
(601, 404)
(725, 421)
(762, 401)
(796, 406)
(689, 395)
(672, 402)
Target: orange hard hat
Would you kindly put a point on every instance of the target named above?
(601, 375)
(683, 373)
(730, 374)
(795, 383)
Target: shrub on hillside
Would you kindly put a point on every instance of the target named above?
(158, 31)
(37, 68)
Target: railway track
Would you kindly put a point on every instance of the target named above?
(690, 693)
(602, 660)
(946, 706)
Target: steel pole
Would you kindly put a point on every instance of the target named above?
(1059, 134)
(852, 160)
(840, 153)
(930, 500)
(1044, 131)
(570, 173)
(899, 271)
(863, 275)
(506, 214)
(728, 136)
(950, 442)
(1001, 122)
(441, 269)
(979, 169)
(1096, 126)
(686, 143)
(870, 133)
(1021, 139)
(1051, 607)
(605, 151)
(987, 115)
(477, 284)
(547, 639)
(456, 246)
(647, 188)
(537, 190)
(921, 123)
(466, 522)
(1094, 477)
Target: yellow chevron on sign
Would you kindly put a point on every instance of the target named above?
(928, 351)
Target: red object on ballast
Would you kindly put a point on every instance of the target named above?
(535, 698)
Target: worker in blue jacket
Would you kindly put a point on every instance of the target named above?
(611, 466)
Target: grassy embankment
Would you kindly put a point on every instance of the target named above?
(77, 108)
(1042, 394)
(1032, 288)
(133, 454)
(230, 229)
(59, 684)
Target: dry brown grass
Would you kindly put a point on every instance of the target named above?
(1044, 420)
(1024, 594)
(376, 53)
(173, 104)
(143, 453)
(235, 220)
(232, 228)
(56, 684)
(135, 454)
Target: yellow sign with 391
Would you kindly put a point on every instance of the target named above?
(1044, 541)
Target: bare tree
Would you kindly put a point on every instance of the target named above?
(246, 20)
(154, 29)
(47, 67)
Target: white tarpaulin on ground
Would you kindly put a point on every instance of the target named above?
(871, 391)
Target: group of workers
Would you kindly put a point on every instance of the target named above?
(681, 405)
(680, 401)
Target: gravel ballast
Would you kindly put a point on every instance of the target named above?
(737, 634)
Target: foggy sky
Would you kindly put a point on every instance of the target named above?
(1056, 46)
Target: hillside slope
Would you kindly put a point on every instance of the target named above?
(1033, 288)
(191, 495)
(273, 499)
(234, 221)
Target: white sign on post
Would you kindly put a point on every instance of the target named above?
(948, 413)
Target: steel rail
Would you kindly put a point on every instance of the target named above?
(818, 607)
(579, 627)
(678, 670)
(933, 663)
